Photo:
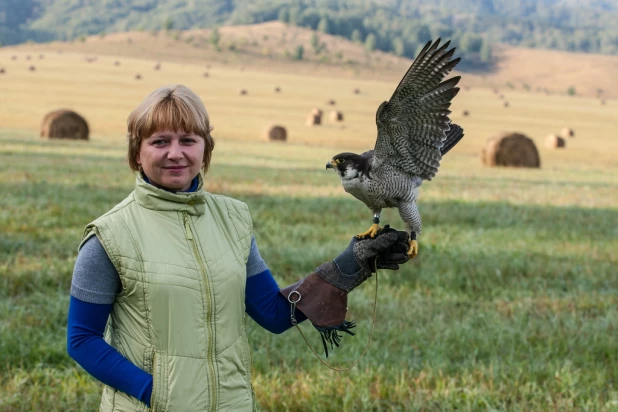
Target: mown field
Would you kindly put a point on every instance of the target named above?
(512, 303)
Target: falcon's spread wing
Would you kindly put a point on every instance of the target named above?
(412, 124)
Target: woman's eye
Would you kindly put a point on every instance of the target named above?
(159, 142)
(188, 141)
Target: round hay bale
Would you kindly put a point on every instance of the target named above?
(41, 56)
(553, 141)
(567, 132)
(275, 133)
(28, 57)
(356, 91)
(32, 68)
(465, 113)
(2, 71)
(64, 124)
(13, 57)
(277, 89)
(313, 119)
(157, 66)
(116, 63)
(242, 92)
(602, 102)
(206, 74)
(138, 76)
(506, 104)
(331, 102)
(317, 112)
(336, 116)
(510, 149)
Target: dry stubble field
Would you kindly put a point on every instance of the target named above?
(511, 304)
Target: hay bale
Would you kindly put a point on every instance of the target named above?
(32, 68)
(275, 133)
(331, 102)
(567, 132)
(242, 92)
(206, 74)
(13, 57)
(64, 124)
(356, 91)
(510, 149)
(28, 57)
(465, 113)
(336, 116)
(41, 56)
(2, 71)
(602, 102)
(506, 104)
(277, 89)
(157, 66)
(116, 63)
(313, 119)
(553, 141)
(138, 76)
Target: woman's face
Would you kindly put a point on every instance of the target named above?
(171, 159)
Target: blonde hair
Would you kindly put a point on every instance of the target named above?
(175, 108)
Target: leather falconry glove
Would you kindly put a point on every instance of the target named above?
(323, 295)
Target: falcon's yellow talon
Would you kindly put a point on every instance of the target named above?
(371, 232)
(413, 250)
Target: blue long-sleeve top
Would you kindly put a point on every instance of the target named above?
(94, 286)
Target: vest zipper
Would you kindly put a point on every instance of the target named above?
(187, 227)
(209, 314)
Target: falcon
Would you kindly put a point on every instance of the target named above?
(414, 132)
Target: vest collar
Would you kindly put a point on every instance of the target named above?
(151, 197)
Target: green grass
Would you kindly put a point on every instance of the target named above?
(512, 303)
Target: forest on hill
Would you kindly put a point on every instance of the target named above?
(396, 26)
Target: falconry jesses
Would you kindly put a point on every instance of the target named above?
(414, 132)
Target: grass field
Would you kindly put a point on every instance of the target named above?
(512, 303)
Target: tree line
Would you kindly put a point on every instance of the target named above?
(397, 26)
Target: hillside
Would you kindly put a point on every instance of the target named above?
(400, 27)
(271, 46)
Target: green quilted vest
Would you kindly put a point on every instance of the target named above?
(180, 315)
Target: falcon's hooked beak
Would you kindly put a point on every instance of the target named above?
(330, 165)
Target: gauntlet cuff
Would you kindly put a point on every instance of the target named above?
(324, 305)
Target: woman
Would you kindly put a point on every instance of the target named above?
(168, 273)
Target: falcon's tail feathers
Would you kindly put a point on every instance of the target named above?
(453, 136)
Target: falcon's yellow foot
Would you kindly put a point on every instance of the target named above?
(371, 232)
(413, 249)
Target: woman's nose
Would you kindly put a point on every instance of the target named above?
(175, 151)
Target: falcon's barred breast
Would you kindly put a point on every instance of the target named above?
(414, 132)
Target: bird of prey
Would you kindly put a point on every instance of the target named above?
(414, 132)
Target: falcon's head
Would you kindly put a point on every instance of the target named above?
(350, 165)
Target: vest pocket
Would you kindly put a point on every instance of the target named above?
(160, 376)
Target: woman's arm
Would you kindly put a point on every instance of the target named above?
(93, 289)
(263, 302)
